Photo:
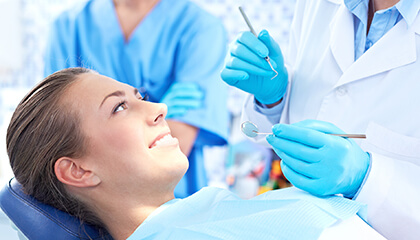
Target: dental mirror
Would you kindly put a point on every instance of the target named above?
(251, 130)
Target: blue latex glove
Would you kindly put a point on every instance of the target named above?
(182, 97)
(319, 163)
(246, 68)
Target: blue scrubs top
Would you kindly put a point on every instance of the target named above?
(176, 42)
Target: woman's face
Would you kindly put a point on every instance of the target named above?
(129, 141)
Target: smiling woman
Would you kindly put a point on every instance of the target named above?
(74, 107)
(92, 147)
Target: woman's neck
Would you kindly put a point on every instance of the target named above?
(383, 4)
(376, 5)
(122, 216)
(122, 221)
(131, 12)
(133, 4)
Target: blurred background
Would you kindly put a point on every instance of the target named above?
(242, 166)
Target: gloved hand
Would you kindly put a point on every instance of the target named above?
(182, 97)
(319, 163)
(246, 68)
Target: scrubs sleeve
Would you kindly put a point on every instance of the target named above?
(59, 45)
(200, 59)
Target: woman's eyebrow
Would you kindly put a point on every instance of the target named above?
(116, 93)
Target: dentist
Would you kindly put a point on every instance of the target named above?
(352, 67)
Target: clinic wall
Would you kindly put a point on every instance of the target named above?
(24, 27)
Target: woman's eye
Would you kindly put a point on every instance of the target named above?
(121, 106)
(143, 98)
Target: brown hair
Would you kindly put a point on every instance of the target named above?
(42, 130)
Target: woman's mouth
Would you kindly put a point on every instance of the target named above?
(164, 140)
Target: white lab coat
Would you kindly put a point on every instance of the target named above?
(379, 94)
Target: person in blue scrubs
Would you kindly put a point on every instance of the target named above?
(161, 48)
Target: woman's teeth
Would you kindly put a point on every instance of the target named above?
(165, 141)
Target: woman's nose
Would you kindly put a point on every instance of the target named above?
(159, 113)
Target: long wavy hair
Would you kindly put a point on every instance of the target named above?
(42, 129)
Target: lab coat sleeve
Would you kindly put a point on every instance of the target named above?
(391, 190)
(201, 54)
(59, 45)
(392, 195)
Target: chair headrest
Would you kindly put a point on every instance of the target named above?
(39, 221)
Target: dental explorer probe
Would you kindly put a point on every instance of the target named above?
(255, 34)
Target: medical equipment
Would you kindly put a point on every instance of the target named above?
(255, 34)
(251, 130)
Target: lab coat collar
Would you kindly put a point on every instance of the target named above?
(409, 9)
(341, 39)
(336, 1)
(416, 25)
(395, 49)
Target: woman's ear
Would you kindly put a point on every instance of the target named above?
(70, 172)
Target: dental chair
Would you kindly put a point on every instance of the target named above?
(38, 221)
